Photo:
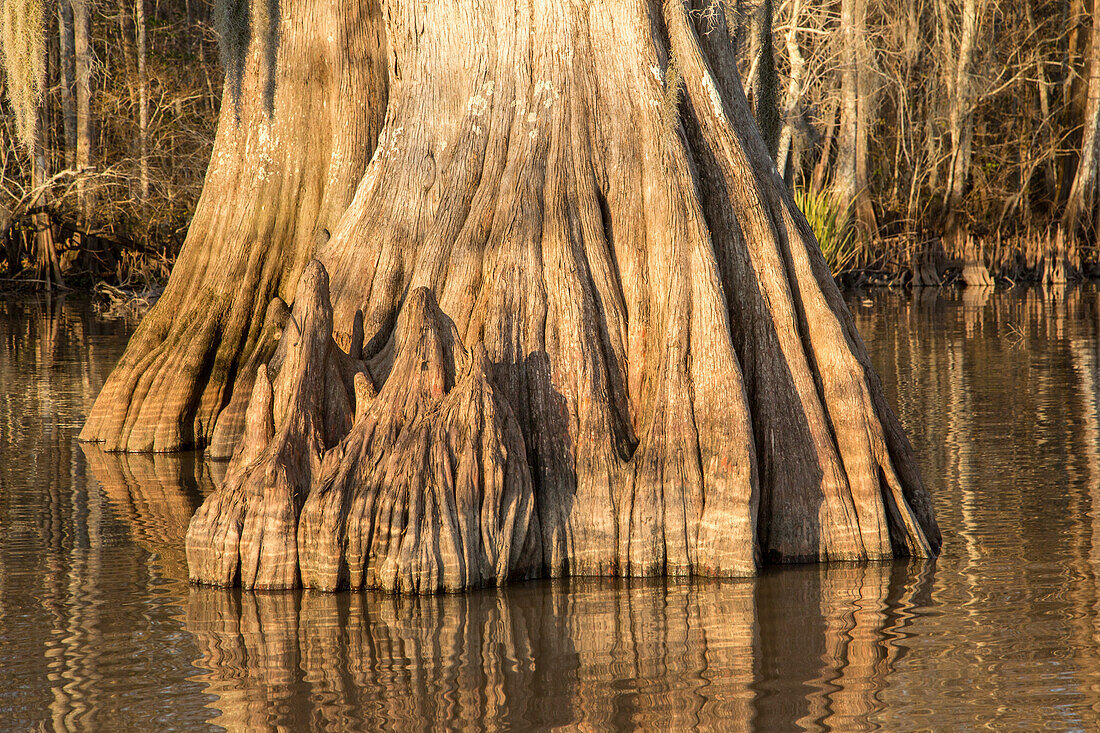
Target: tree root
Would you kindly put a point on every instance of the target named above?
(247, 529)
(427, 490)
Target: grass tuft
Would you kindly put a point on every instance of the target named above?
(830, 223)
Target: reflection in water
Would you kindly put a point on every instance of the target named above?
(155, 494)
(85, 636)
(1000, 398)
(598, 653)
(591, 654)
(595, 653)
(99, 630)
(365, 662)
(829, 638)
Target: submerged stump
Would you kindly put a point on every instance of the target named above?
(554, 313)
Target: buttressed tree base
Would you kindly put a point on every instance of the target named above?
(553, 312)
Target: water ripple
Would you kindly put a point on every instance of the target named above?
(100, 631)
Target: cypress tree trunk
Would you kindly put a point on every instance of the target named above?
(961, 117)
(758, 64)
(276, 186)
(44, 247)
(1082, 197)
(143, 100)
(82, 46)
(548, 327)
(856, 113)
(792, 98)
(67, 64)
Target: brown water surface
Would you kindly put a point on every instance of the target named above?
(99, 630)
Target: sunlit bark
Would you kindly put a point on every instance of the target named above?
(545, 331)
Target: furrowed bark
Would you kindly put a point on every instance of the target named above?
(275, 187)
(247, 529)
(431, 489)
(561, 323)
(839, 413)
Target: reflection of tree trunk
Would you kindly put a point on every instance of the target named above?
(791, 642)
(856, 663)
(64, 581)
(372, 662)
(653, 633)
(975, 300)
(156, 495)
(826, 648)
(960, 446)
(75, 654)
(1086, 365)
(1091, 391)
(587, 655)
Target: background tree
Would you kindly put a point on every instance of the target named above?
(1082, 200)
(978, 126)
(1022, 116)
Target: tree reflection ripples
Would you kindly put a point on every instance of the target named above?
(99, 629)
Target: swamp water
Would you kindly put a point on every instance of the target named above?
(99, 630)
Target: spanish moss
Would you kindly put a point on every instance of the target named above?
(233, 21)
(24, 41)
(268, 23)
(670, 101)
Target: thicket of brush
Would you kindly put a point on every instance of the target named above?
(954, 131)
(117, 208)
(920, 135)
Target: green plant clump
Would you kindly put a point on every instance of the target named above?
(830, 223)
